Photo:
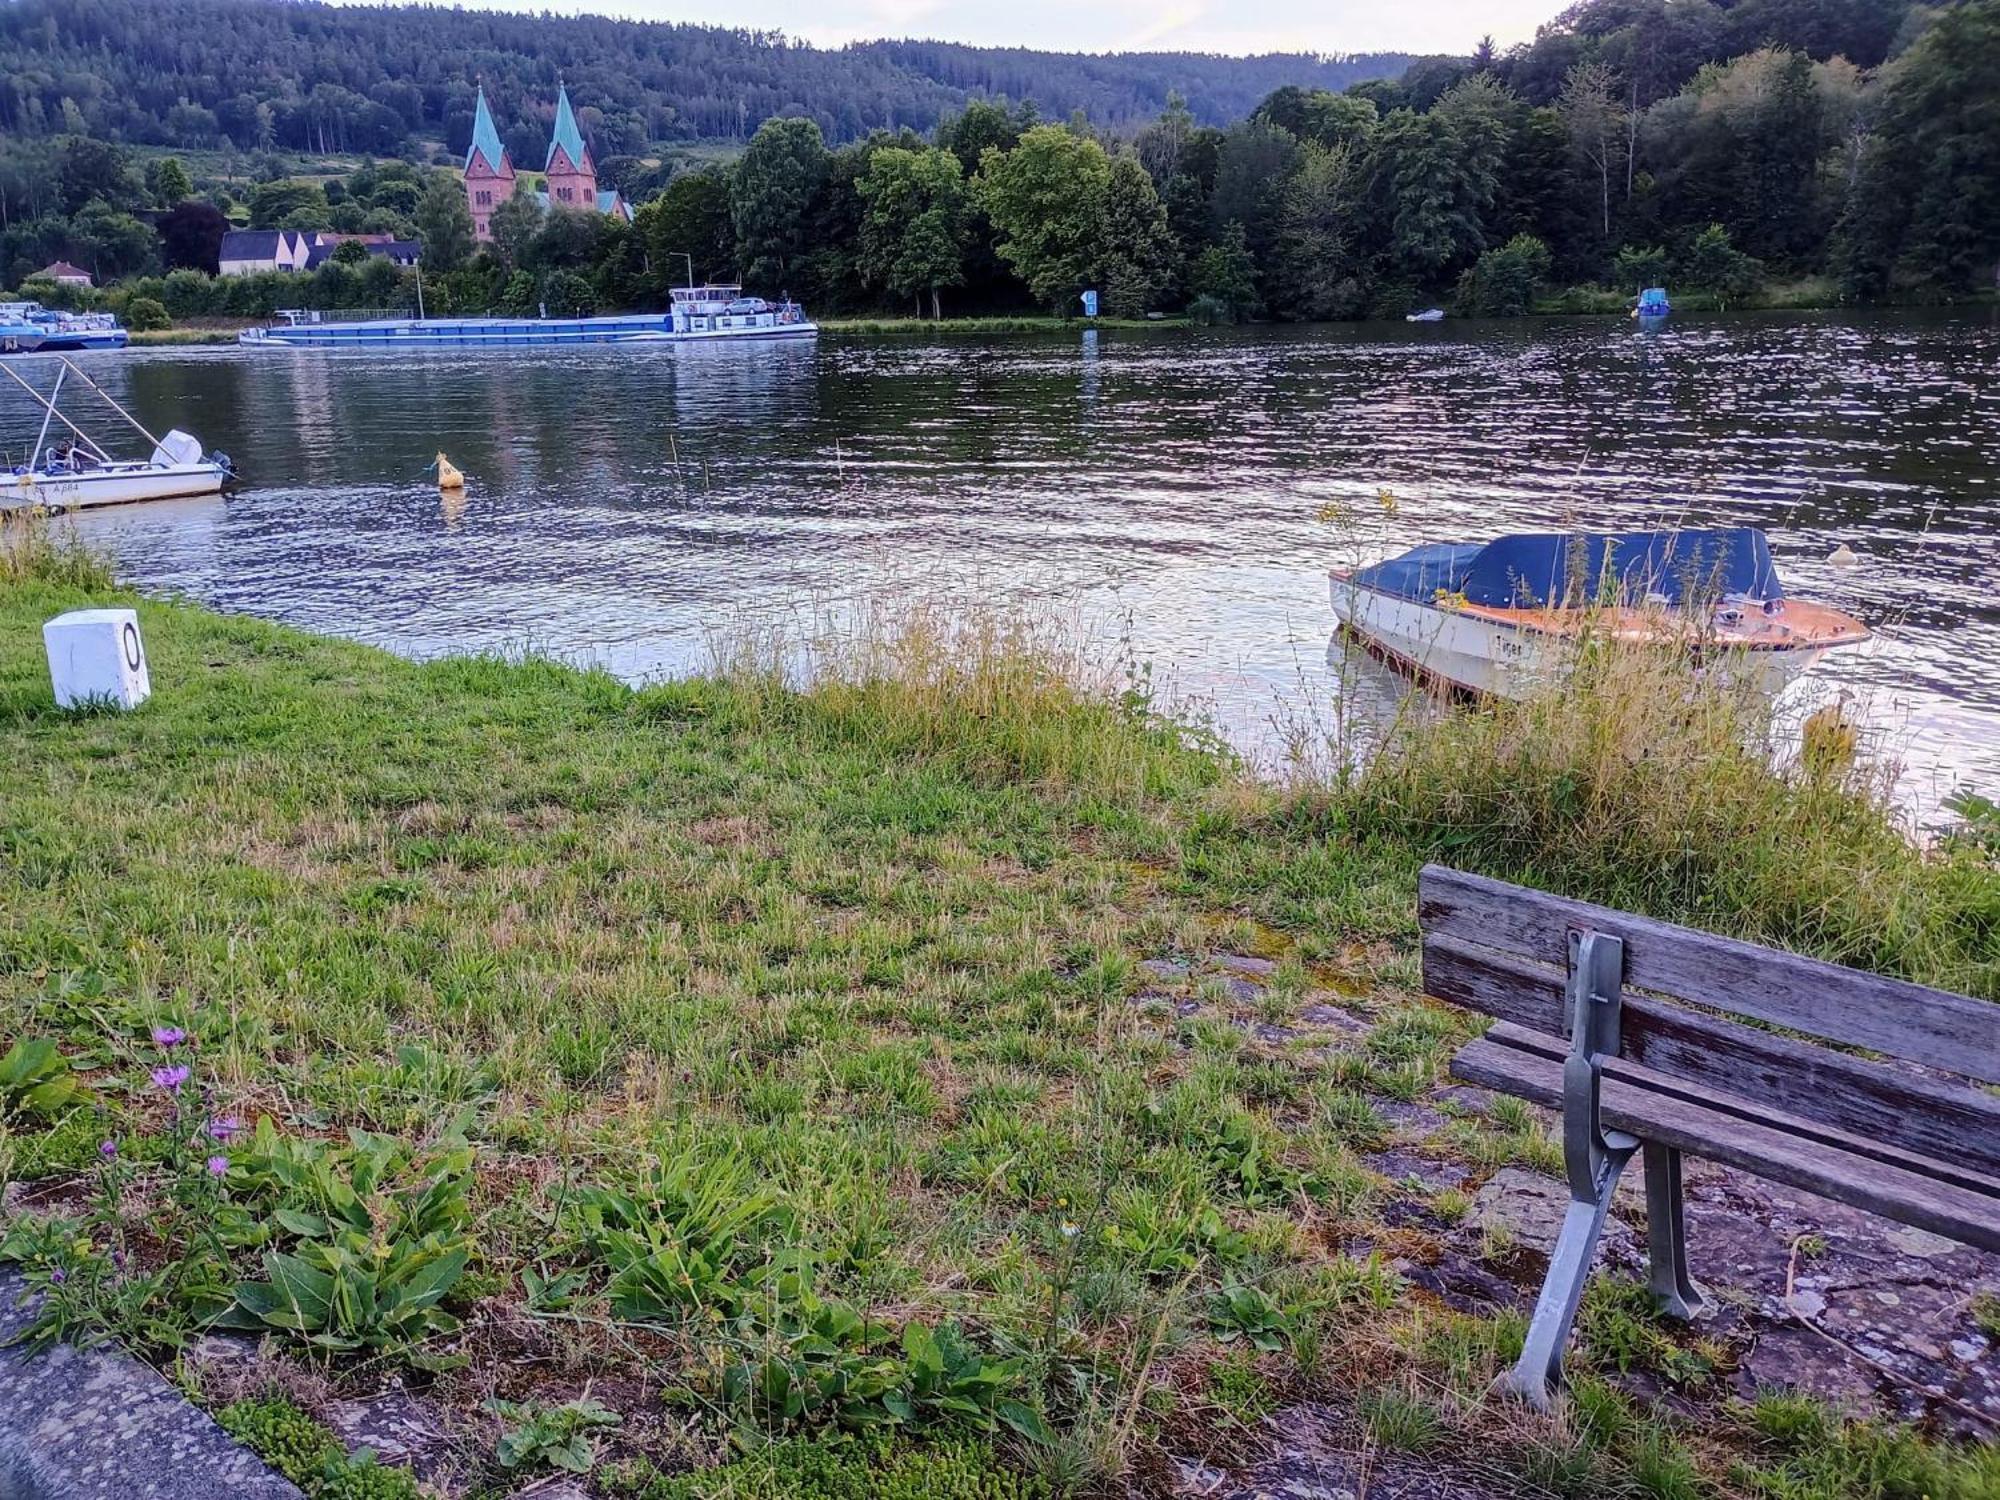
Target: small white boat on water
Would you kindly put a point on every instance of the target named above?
(1493, 618)
(73, 471)
(1428, 315)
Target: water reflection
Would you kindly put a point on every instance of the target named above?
(1169, 485)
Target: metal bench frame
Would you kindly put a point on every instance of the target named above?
(1657, 1038)
(1594, 1159)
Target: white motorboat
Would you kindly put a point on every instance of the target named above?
(76, 472)
(1495, 618)
(1428, 315)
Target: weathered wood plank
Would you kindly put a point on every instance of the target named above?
(1763, 1150)
(1761, 1111)
(1929, 1117)
(1951, 1032)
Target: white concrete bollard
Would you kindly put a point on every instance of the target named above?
(96, 656)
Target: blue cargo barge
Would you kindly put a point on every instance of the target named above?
(705, 314)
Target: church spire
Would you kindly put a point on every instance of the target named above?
(567, 138)
(486, 141)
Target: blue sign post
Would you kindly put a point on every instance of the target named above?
(1090, 303)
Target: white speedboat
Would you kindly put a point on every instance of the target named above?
(73, 471)
(1428, 315)
(1494, 618)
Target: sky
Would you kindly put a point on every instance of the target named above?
(1231, 26)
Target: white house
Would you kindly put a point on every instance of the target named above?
(248, 251)
(62, 273)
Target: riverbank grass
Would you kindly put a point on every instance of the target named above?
(767, 1062)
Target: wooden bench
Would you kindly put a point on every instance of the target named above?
(1620, 1022)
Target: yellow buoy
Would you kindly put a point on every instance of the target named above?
(448, 476)
(1844, 556)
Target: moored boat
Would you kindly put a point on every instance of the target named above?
(1496, 617)
(64, 332)
(19, 336)
(73, 471)
(702, 314)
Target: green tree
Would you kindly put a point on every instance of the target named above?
(444, 224)
(351, 253)
(514, 225)
(568, 295)
(1046, 200)
(1319, 273)
(770, 194)
(113, 244)
(1225, 274)
(1712, 262)
(146, 315)
(1434, 202)
(1637, 267)
(281, 205)
(1252, 165)
(1925, 205)
(1140, 257)
(983, 123)
(169, 181)
(1503, 282)
(687, 231)
(1595, 122)
(913, 231)
(90, 170)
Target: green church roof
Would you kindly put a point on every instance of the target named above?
(485, 138)
(567, 137)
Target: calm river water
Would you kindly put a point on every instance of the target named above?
(1164, 486)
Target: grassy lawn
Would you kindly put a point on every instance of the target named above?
(876, 1058)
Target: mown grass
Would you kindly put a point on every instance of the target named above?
(868, 950)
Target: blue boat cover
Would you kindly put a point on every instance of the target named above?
(1422, 572)
(1537, 568)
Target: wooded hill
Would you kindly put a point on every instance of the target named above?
(307, 77)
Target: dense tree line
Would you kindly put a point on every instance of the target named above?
(1613, 152)
(304, 77)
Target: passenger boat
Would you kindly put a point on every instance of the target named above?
(64, 331)
(699, 314)
(18, 335)
(1495, 617)
(76, 472)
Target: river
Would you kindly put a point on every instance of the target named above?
(1170, 488)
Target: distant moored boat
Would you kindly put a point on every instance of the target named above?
(1493, 617)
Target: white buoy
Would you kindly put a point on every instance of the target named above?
(96, 657)
(1844, 556)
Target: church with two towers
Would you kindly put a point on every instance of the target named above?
(570, 175)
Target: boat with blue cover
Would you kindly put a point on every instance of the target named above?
(1494, 617)
(699, 314)
(1652, 305)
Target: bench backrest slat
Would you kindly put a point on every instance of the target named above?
(1954, 1033)
(1928, 1117)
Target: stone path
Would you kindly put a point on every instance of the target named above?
(96, 1424)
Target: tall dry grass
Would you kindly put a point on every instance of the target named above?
(30, 552)
(996, 692)
(1636, 778)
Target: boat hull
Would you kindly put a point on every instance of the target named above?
(121, 485)
(18, 338)
(510, 333)
(107, 338)
(1475, 653)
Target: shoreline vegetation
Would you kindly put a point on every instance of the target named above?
(1750, 154)
(674, 1082)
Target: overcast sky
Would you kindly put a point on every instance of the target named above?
(1108, 25)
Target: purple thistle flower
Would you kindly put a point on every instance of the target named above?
(58, 1276)
(223, 1127)
(170, 1079)
(218, 1165)
(107, 1148)
(169, 1036)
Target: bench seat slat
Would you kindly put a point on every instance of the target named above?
(1775, 1147)
(1951, 1032)
(1931, 1117)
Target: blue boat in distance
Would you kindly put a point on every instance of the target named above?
(703, 314)
(1652, 305)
